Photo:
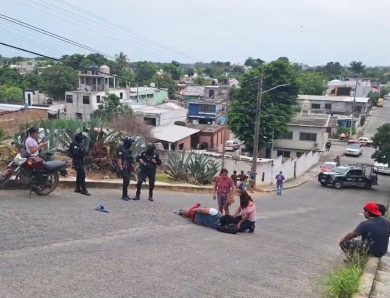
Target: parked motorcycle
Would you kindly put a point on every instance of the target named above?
(37, 174)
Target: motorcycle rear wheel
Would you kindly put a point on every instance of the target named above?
(50, 185)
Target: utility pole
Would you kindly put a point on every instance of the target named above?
(224, 130)
(257, 123)
(353, 107)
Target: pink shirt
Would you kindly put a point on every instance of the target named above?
(224, 184)
(250, 211)
(30, 144)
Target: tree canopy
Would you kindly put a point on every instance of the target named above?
(58, 79)
(382, 144)
(277, 105)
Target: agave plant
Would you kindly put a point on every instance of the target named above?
(191, 167)
(178, 165)
(202, 169)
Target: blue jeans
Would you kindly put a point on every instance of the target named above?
(279, 188)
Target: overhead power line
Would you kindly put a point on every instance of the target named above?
(28, 51)
(53, 35)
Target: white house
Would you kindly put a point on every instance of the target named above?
(160, 115)
(35, 97)
(93, 87)
(347, 88)
(336, 104)
(305, 133)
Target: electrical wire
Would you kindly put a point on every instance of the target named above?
(53, 35)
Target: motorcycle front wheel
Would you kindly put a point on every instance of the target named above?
(47, 187)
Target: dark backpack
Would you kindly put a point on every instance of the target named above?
(229, 228)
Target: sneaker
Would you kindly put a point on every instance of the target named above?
(252, 229)
(101, 208)
(85, 193)
(126, 198)
(178, 212)
(151, 199)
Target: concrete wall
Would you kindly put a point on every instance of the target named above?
(267, 169)
(11, 121)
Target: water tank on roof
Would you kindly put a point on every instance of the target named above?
(306, 107)
(104, 69)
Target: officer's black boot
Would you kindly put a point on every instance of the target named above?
(125, 197)
(150, 195)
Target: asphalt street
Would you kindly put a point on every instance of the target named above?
(59, 246)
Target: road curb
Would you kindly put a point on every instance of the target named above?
(286, 187)
(367, 279)
(116, 185)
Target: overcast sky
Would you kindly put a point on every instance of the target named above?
(312, 32)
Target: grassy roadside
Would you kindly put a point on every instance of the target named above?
(344, 281)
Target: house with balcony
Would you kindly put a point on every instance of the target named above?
(349, 110)
(93, 87)
(190, 93)
(206, 112)
(305, 133)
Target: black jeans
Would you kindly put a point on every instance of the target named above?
(80, 178)
(151, 175)
(245, 225)
(126, 182)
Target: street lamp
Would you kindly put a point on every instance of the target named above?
(260, 93)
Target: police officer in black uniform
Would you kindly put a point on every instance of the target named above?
(148, 161)
(78, 151)
(124, 163)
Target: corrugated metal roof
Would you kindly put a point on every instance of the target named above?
(172, 133)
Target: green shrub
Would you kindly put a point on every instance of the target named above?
(344, 282)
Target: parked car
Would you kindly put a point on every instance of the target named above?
(328, 166)
(361, 175)
(232, 145)
(381, 168)
(353, 150)
(362, 141)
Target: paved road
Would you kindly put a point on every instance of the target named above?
(58, 246)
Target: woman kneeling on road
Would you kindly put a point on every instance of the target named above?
(245, 216)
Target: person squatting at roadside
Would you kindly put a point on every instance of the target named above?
(125, 162)
(374, 232)
(78, 152)
(148, 160)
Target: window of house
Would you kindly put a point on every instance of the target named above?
(211, 93)
(328, 106)
(143, 96)
(69, 98)
(207, 108)
(308, 136)
(299, 154)
(316, 106)
(121, 95)
(287, 136)
(181, 146)
(97, 98)
(283, 153)
(150, 95)
(79, 116)
(86, 100)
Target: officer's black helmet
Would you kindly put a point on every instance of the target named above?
(150, 147)
(78, 137)
(127, 142)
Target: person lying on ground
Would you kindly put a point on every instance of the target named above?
(374, 234)
(208, 217)
(245, 216)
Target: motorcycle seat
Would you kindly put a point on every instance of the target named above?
(54, 165)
